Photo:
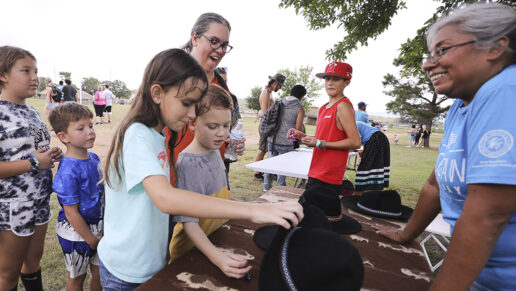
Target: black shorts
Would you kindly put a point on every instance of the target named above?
(99, 110)
(108, 109)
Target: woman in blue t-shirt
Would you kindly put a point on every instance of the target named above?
(472, 60)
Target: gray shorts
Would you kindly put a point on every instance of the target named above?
(21, 217)
(262, 143)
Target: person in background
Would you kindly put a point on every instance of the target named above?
(235, 114)
(99, 104)
(336, 132)
(49, 102)
(396, 139)
(25, 172)
(291, 116)
(472, 59)
(109, 102)
(373, 172)
(266, 100)
(80, 193)
(417, 136)
(425, 137)
(412, 136)
(61, 85)
(361, 114)
(69, 92)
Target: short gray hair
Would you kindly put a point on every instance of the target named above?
(486, 22)
(202, 24)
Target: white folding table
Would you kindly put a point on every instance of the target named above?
(295, 163)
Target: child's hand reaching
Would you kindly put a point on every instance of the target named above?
(286, 214)
(231, 265)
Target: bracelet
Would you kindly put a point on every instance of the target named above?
(320, 144)
(34, 163)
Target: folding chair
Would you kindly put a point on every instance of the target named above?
(437, 227)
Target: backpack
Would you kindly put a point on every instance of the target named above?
(269, 123)
(56, 94)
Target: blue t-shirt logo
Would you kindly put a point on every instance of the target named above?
(495, 143)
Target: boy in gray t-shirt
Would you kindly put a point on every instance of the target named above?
(200, 169)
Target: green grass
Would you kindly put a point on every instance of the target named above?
(409, 169)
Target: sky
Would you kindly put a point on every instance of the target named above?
(115, 39)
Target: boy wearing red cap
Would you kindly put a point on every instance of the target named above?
(336, 132)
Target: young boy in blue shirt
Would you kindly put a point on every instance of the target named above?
(80, 194)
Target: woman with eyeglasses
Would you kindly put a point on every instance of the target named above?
(208, 44)
(472, 59)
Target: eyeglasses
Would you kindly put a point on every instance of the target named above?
(435, 55)
(216, 44)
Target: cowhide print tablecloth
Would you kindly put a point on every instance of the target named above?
(388, 265)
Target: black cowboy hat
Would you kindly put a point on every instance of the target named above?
(384, 204)
(313, 218)
(307, 258)
(328, 201)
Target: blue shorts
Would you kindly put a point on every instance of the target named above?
(111, 283)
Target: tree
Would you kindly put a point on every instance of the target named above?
(120, 90)
(42, 84)
(361, 19)
(90, 85)
(65, 75)
(253, 100)
(302, 76)
(414, 95)
(415, 101)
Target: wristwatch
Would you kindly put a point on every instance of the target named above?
(34, 163)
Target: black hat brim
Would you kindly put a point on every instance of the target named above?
(346, 225)
(263, 236)
(351, 203)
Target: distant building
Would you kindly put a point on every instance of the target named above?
(311, 116)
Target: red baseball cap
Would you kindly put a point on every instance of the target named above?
(337, 69)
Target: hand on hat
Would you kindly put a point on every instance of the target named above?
(286, 214)
(391, 233)
(231, 265)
